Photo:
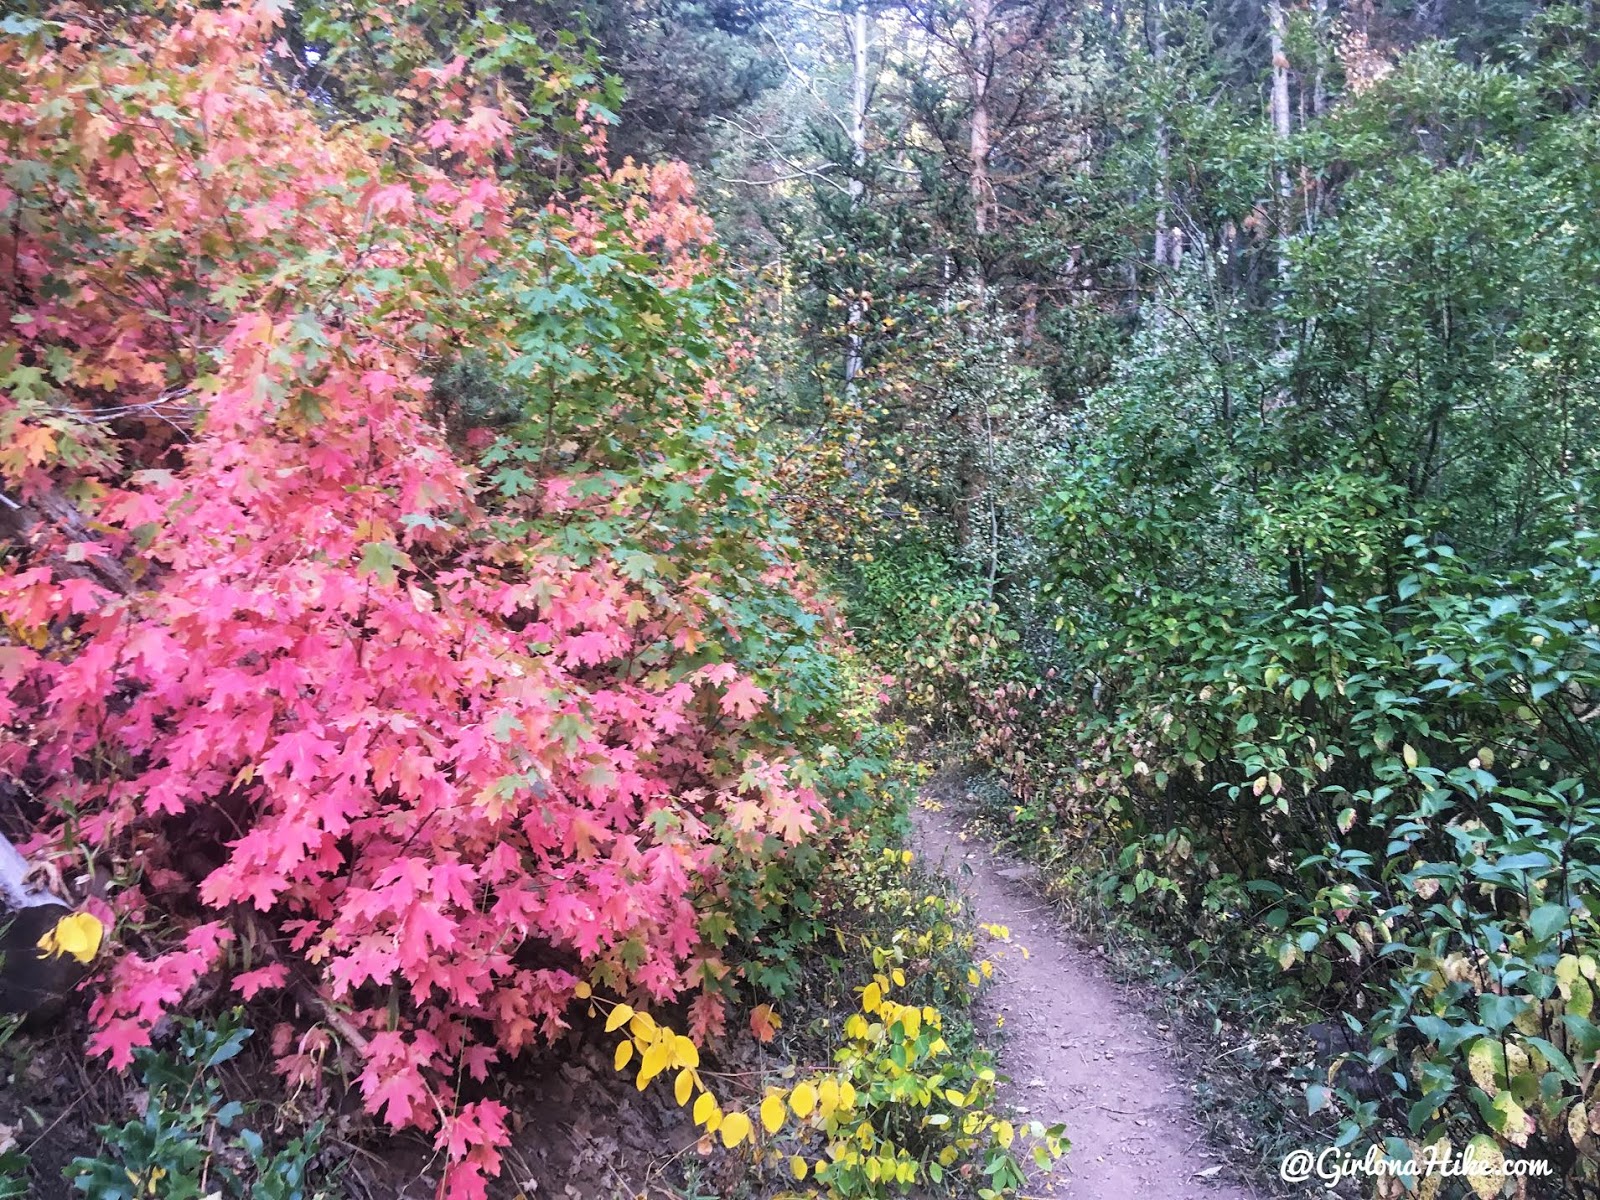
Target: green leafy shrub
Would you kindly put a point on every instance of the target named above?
(13, 1174)
(922, 1108)
(955, 653)
(1395, 802)
(1324, 588)
(191, 1141)
(909, 1097)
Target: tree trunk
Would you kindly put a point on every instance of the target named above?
(1155, 36)
(859, 41)
(33, 523)
(979, 147)
(1280, 126)
(1319, 86)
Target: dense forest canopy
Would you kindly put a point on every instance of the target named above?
(1227, 377)
(486, 488)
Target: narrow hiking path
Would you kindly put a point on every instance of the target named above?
(1076, 1048)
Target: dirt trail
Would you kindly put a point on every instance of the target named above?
(1076, 1049)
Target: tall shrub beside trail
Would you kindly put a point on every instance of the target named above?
(391, 607)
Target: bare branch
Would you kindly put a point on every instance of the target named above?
(30, 522)
(820, 173)
(805, 81)
(796, 169)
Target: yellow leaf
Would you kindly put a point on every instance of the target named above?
(735, 1128)
(618, 1018)
(1517, 1061)
(77, 934)
(683, 1088)
(898, 976)
(847, 1095)
(772, 1114)
(644, 1025)
(704, 1107)
(583, 991)
(1485, 1166)
(1577, 1123)
(656, 1060)
(684, 1052)
(1004, 1134)
(624, 1055)
(828, 1097)
(803, 1099)
(1581, 1002)
(798, 1166)
(871, 997)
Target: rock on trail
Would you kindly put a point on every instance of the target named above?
(1076, 1049)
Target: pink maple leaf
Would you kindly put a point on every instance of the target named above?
(392, 1084)
(273, 975)
(118, 1038)
(743, 699)
(718, 672)
(300, 751)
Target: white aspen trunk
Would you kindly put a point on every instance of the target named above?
(860, 42)
(979, 142)
(15, 891)
(860, 34)
(1280, 126)
(1155, 34)
(1319, 85)
(1319, 107)
(1162, 255)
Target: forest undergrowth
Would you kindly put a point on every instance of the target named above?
(493, 498)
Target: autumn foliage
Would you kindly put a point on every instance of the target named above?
(392, 608)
